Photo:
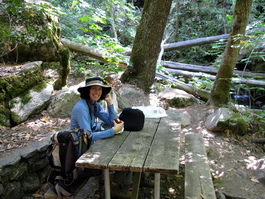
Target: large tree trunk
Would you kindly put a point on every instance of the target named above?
(147, 43)
(220, 91)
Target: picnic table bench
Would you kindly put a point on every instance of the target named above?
(153, 149)
(198, 179)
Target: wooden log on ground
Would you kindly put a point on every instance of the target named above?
(189, 43)
(209, 69)
(259, 140)
(85, 50)
(201, 94)
(248, 82)
(193, 42)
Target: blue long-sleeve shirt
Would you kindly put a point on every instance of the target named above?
(83, 117)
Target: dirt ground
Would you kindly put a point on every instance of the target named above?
(233, 159)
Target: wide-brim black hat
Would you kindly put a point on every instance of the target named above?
(94, 81)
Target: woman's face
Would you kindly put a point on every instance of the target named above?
(95, 93)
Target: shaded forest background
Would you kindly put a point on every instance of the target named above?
(110, 27)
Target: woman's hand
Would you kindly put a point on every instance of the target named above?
(118, 126)
(108, 99)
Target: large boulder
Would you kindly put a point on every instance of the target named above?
(177, 98)
(36, 101)
(133, 94)
(213, 120)
(26, 90)
(226, 120)
(63, 102)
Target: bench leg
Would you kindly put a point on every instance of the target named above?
(136, 183)
(107, 183)
(157, 186)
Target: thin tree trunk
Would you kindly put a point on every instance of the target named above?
(220, 91)
(177, 19)
(112, 22)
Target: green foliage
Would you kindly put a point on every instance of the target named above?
(23, 24)
(202, 83)
(82, 67)
(95, 24)
(260, 117)
(229, 19)
(5, 35)
(89, 19)
(196, 21)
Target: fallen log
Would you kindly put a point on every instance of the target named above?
(185, 74)
(201, 94)
(209, 69)
(98, 55)
(85, 50)
(259, 140)
(193, 42)
(189, 43)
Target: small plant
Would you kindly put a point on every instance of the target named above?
(202, 83)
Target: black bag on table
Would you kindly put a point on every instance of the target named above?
(65, 148)
(133, 119)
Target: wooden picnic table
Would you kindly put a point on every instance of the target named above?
(154, 149)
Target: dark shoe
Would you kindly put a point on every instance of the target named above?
(120, 192)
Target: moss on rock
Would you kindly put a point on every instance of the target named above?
(237, 124)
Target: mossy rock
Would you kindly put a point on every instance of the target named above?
(236, 125)
(15, 85)
(4, 116)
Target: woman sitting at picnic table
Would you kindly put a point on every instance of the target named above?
(85, 115)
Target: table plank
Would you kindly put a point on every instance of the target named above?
(101, 153)
(163, 156)
(132, 154)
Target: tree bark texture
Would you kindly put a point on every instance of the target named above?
(147, 43)
(221, 88)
